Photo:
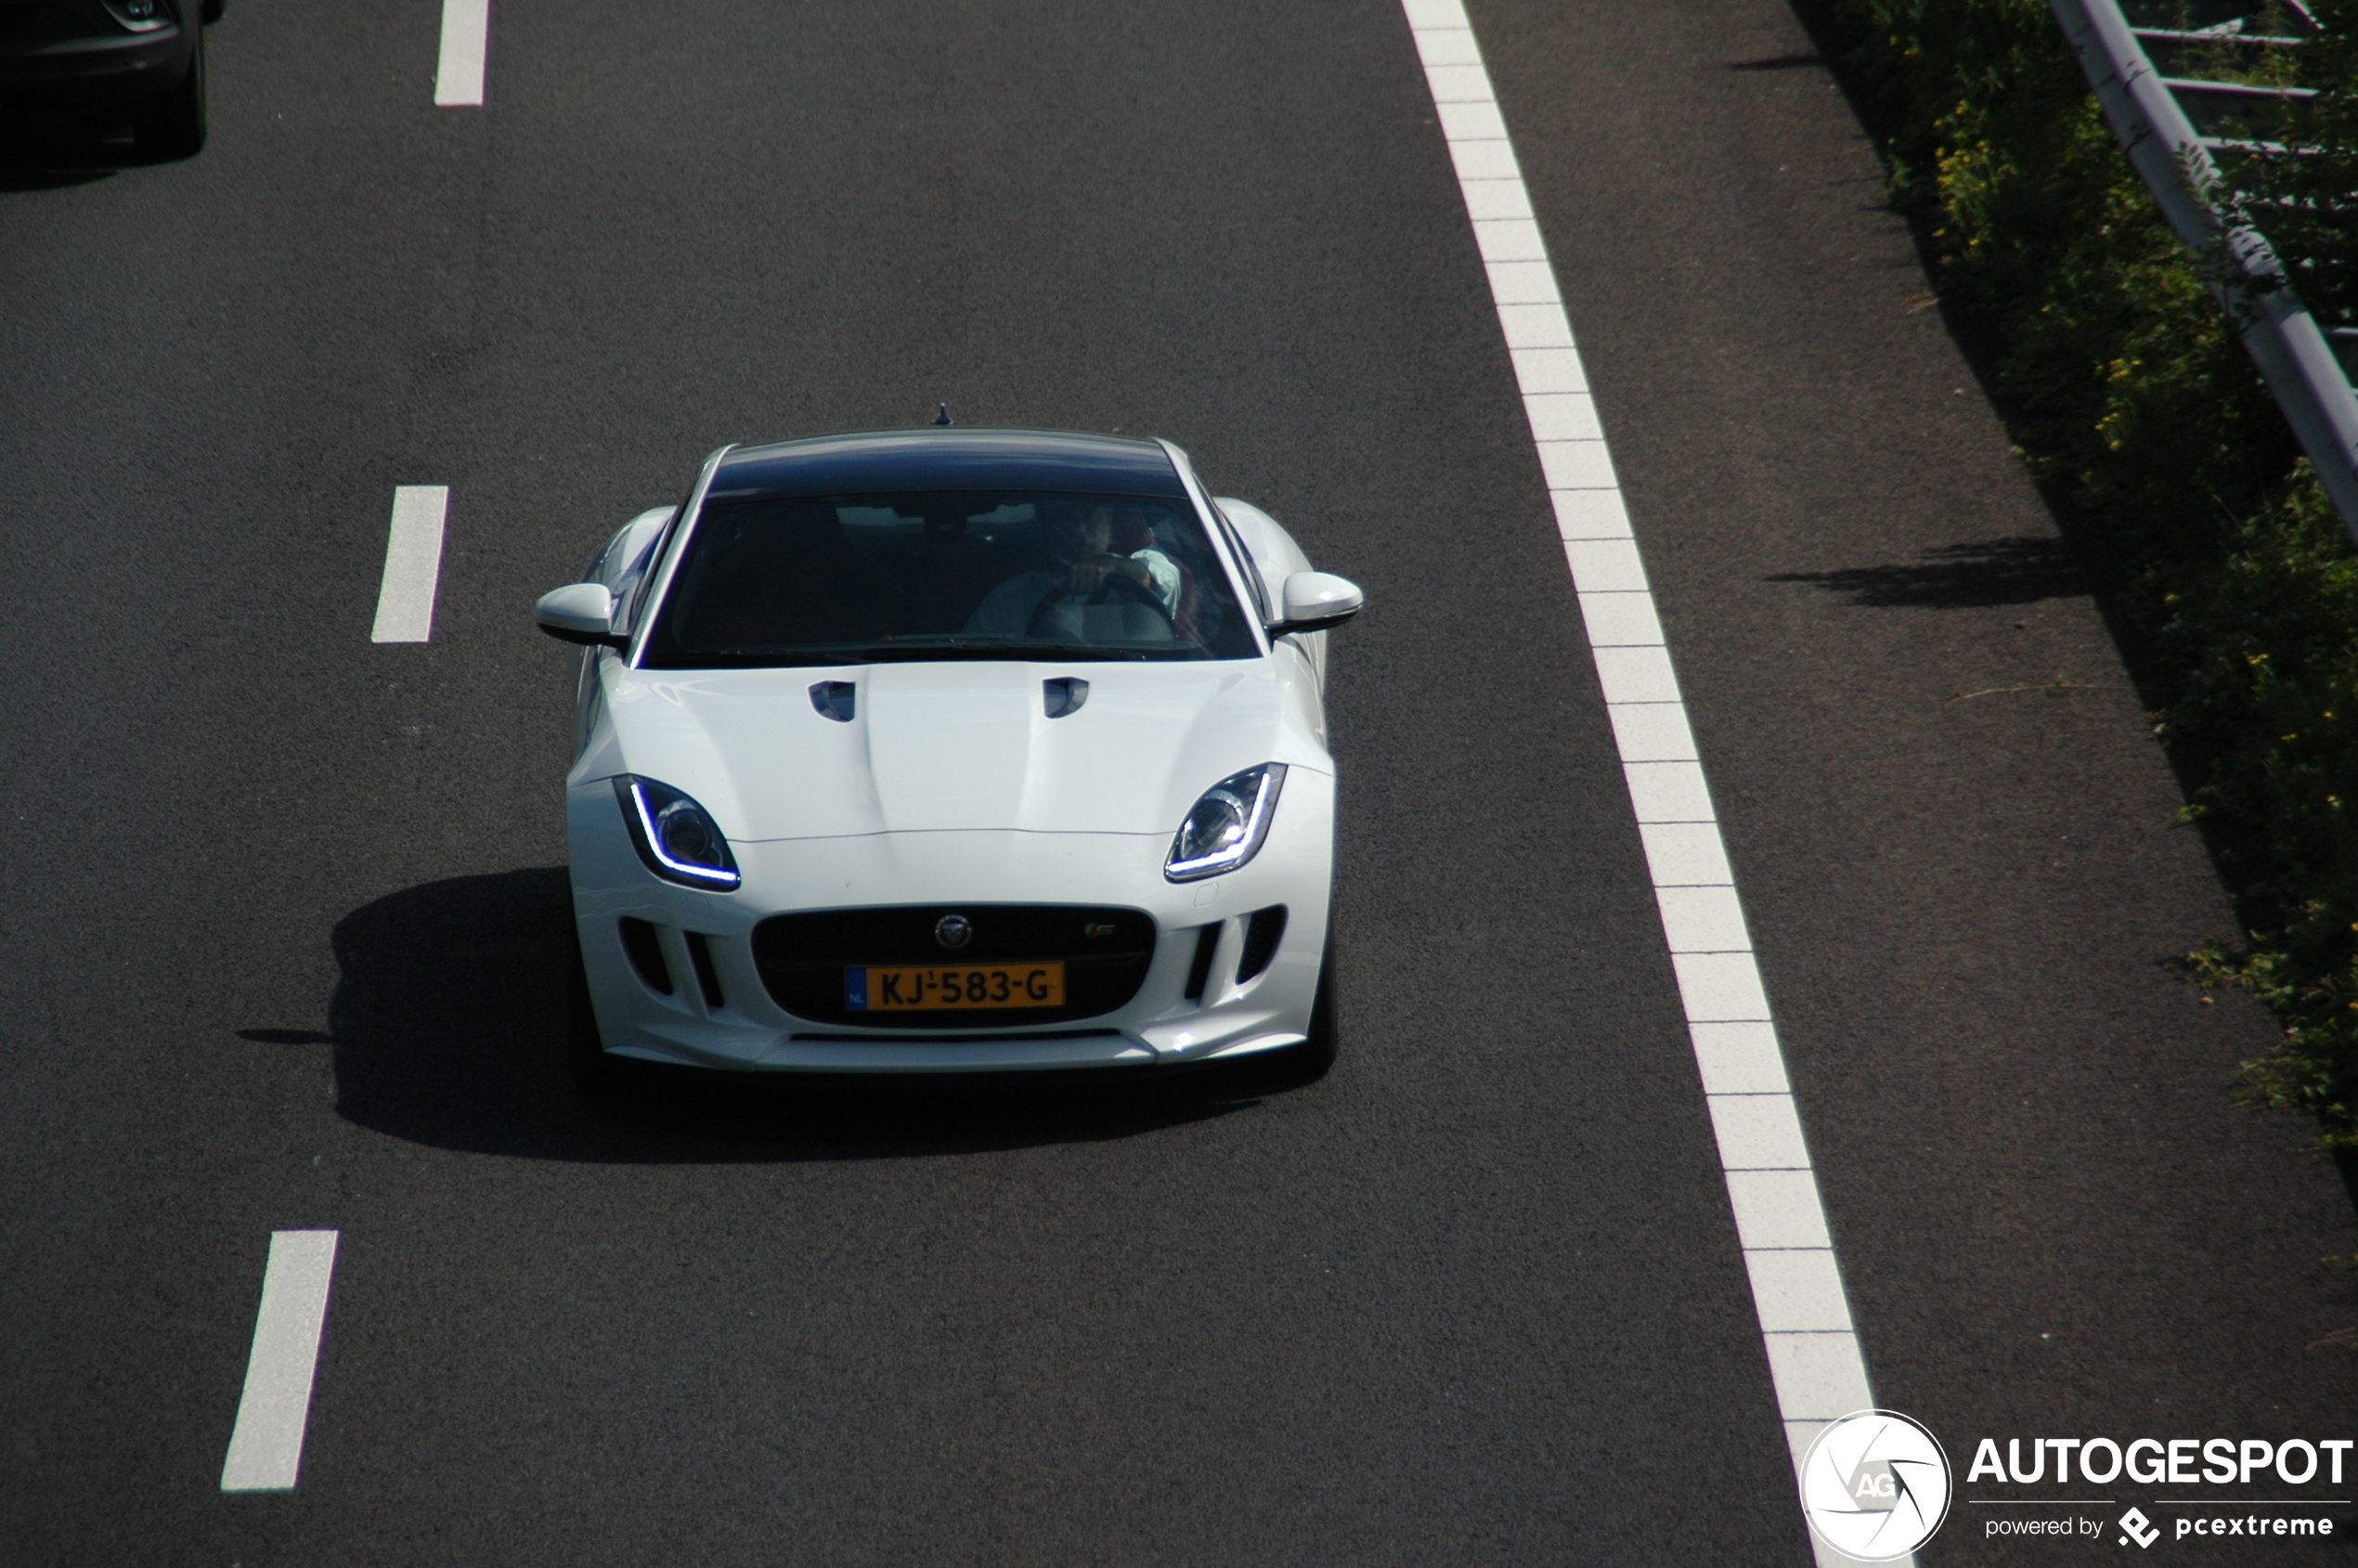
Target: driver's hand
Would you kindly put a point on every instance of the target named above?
(1087, 576)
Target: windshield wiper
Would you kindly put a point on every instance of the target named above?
(888, 652)
(944, 647)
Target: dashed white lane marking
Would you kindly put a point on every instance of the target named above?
(265, 1447)
(413, 565)
(1813, 1351)
(466, 38)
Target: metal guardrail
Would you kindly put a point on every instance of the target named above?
(2308, 367)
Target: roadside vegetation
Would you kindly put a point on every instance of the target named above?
(2135, 406)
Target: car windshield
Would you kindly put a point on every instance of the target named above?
(944, 575)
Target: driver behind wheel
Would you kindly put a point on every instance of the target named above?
(1077, 572)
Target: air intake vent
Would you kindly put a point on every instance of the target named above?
(646, 955)
(707, 978)
(1199, 973)
(1261, 932)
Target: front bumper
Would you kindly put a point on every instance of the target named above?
(100, 70)
(719, 1014)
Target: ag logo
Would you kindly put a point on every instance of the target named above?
(1875, 1486)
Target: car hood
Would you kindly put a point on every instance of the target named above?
(945, 746)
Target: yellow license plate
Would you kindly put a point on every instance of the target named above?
(901, 989)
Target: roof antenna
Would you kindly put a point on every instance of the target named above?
(943, 417)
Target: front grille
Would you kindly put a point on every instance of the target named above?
(802, 958)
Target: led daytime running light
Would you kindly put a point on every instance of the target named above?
(646, 836)
(1264, 782)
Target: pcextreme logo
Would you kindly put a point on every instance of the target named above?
(1875, 1486)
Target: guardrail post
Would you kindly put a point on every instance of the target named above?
(2302, 372)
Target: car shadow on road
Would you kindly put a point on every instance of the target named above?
(37, 155)
(1977, 575)
(24, 173)
(449, 1029)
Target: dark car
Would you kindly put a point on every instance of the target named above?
(91, 64)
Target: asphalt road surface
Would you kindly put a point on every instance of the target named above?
(284, 908)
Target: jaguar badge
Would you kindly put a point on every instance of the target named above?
(953, 931)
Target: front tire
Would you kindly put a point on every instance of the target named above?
(176, 127)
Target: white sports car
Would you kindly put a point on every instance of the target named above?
(952, 750)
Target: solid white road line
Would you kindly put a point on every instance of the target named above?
(1813, 1351)
(413, 565)
(265, 1447)
(466, 38)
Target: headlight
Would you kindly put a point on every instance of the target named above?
(1224, 829)
(677, 838)
(139, 16)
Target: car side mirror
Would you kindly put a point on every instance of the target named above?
(579, 613)
(1316, 601)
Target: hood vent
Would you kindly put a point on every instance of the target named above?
(835, 699)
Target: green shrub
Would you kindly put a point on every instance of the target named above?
(2130, 397)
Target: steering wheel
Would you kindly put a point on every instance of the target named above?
(1115, 590)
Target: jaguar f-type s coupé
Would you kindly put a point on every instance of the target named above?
(952, 750)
